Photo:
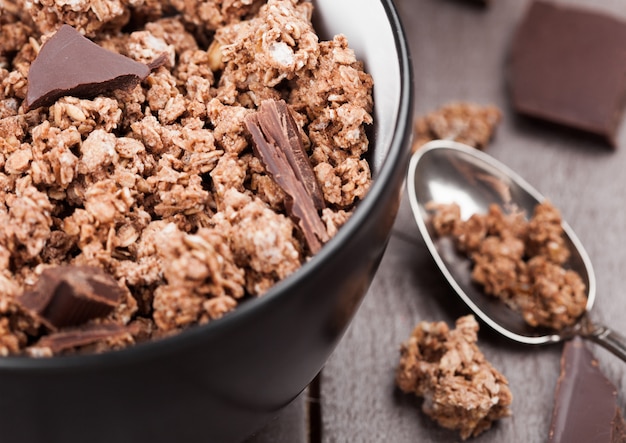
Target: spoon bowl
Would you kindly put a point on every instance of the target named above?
(444, 171)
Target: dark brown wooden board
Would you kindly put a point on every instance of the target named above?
(460, 52)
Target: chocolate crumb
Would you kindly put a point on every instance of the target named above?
(71, 64)
(71, 295)
(277, 143)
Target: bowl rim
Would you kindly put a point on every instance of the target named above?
(396, 158)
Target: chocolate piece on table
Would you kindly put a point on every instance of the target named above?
(568, 66)
(585, 407)
(71, 64)
(277, 143)
(71, 295)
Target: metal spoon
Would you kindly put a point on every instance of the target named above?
(448, 172)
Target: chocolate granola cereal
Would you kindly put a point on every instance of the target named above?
(461, 389)
(155, 182)
(521, 262)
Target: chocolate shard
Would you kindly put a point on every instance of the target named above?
(280, 129)
(89, 334)
(568, 66)
(585, 408)
(71, 295)
(277, 143)
(71, 64)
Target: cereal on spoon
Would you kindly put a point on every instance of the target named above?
(518, 261)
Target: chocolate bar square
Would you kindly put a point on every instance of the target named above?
(568, 66)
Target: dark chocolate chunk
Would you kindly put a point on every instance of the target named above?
(277, 143)
(585, 407)
(280, 129)
(568, 66)
(71, 295)
(71, 64)
(84, 336)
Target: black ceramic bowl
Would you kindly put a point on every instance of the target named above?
(222, 381)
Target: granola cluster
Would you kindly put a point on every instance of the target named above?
(461, 389)
(519, 261)
(159, 185)
(463, 122)
(92, 18)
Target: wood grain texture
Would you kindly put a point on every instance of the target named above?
(459, 52)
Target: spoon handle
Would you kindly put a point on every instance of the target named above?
(607, 338)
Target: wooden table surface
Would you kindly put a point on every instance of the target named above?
(459, 52)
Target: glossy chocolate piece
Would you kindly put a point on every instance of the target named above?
(280, 128)
(83, 336)
(71, 295)
(568, 66)
(71, 64)
(277, 143)
(586, 407)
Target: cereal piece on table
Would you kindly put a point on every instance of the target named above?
(463, 122)
(461, 389)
